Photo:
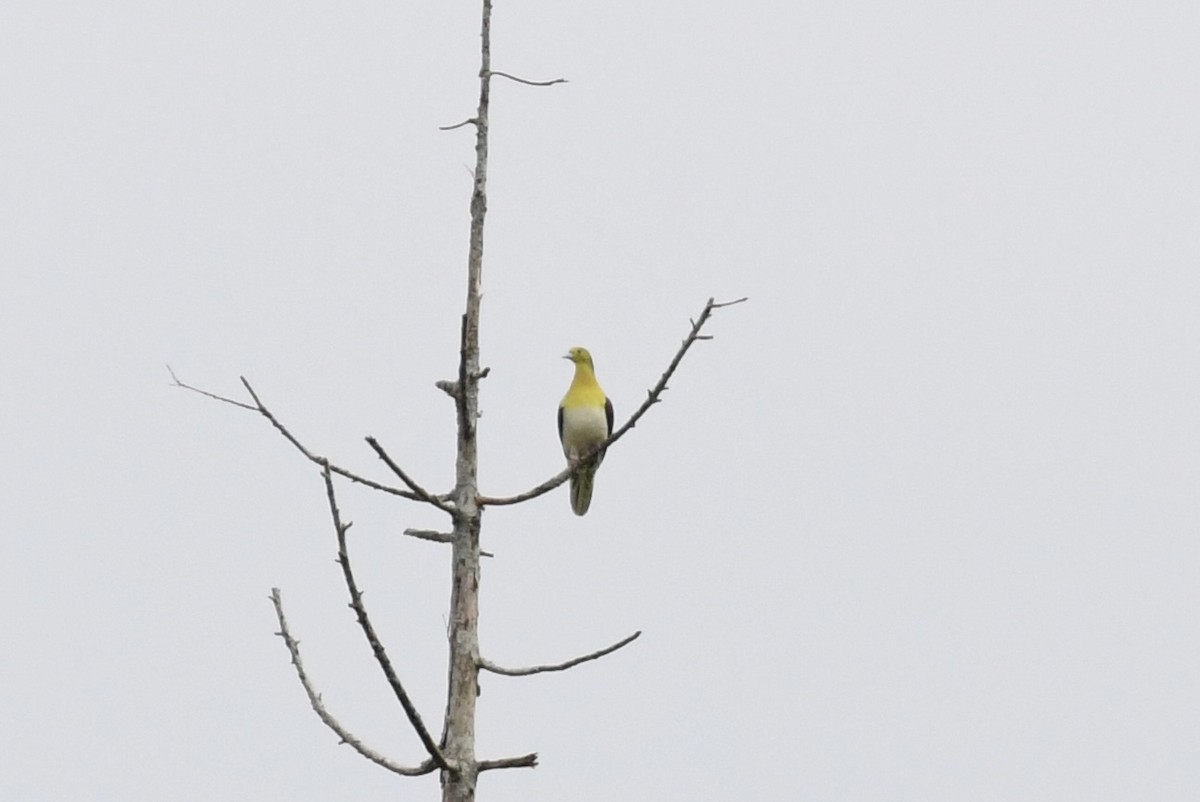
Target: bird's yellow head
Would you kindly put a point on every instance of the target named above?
(579, 356)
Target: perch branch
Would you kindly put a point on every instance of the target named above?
(364, 621)
(527, 82)
(318, 706)
(487, 665)
(421, 493)
(653, 396)
(261, 408)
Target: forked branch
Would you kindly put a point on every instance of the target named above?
(488, 665)
(261, 408)
(653, 396)
(318, 706)
(364, 621)
(421, 493)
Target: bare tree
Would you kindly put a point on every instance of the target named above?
(453, 752)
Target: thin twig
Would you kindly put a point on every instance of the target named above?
(422, 493)
(318, 706)
(213, 396)
(653, 396)
(529, 761)
(364, 621)
(487, 665)
(527, 82)
(261, 408)
(468, 121)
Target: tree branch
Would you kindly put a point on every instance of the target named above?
(527, 82)
(529, 761)
(421, 493)
(487, 665)
(317, 459)
(213, 396)
(653, 396)
(468, 121)
(364, 621)
(437, 537)
(430, 535)
(318, 706)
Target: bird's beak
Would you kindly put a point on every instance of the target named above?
(566, 356)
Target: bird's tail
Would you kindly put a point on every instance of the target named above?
(581, 490)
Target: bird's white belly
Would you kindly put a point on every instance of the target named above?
(583, 429)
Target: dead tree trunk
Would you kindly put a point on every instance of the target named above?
(463, 687)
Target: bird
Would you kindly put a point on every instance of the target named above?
(585, 420)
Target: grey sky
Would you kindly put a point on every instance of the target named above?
(920, 523)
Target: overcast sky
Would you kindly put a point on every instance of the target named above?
(920, 523)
